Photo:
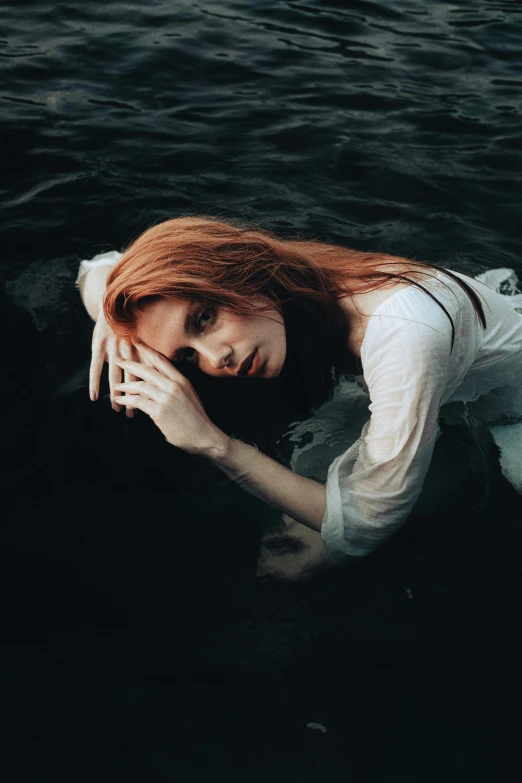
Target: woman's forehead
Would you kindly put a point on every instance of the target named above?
(161, 321)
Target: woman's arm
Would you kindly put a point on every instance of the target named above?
(372, 487)
(301, 498)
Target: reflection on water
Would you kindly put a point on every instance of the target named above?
(291, 551)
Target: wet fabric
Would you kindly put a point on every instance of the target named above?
(411, 372)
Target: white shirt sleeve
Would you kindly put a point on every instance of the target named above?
(102, 259)
(372, 487)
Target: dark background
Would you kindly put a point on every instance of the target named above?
(135, 640)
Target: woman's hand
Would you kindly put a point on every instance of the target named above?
(164, 394)
(171, 402)
(106, 347)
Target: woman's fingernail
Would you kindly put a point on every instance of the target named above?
(94, 396)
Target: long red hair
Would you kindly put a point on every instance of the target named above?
(222, 265)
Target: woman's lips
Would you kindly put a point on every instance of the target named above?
(255, 366)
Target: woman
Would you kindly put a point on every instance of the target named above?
(240, 302)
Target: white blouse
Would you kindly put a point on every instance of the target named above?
(410, 371)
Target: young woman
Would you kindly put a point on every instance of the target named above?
(238, 302)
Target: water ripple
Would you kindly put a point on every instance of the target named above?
(30, 194)
(368, 121)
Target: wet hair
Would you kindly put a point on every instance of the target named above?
(225, 265)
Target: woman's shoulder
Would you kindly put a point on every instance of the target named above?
(363, 308)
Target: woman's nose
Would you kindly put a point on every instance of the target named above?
(217, 356)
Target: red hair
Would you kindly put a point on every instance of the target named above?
(222, 265)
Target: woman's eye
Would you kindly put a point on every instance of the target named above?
(204, 318)
(189, 355)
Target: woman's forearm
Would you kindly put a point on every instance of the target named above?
(92, 288)
(301, 498)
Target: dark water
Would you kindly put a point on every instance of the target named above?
(136, 641)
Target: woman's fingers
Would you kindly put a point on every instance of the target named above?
(136, 401)
(127, 352)
(158, 361)
(145, 372)
(115, 374)
(95, 371)
(169, 399)
(142, 388)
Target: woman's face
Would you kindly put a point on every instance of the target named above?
(221, 343)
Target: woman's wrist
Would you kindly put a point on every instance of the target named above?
(217, 449)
